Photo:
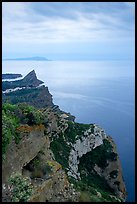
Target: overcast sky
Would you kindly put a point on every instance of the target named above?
(68, 30)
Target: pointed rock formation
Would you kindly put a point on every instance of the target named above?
(31, 80)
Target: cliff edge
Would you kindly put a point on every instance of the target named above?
(47, 157)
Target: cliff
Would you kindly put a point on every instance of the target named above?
(28, 81)
(31, 91)
(49, 157)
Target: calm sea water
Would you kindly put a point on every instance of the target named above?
(95, 92)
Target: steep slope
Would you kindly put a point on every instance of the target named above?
(61, 158)
(49, 157)
(38, 97)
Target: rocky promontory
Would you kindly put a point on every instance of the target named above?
(48, 157)
(30, 80)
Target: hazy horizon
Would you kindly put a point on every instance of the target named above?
(68, 30)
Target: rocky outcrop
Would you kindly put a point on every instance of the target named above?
(30, 80)
(40, 100)
(83, 145)
(53, 186)
(18, 155)
(55, 189)
(87, 143)
(113, 173)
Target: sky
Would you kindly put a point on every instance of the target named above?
(69, 30)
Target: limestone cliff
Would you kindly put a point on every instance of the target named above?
(49, 157)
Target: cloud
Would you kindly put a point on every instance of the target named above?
(67, 21)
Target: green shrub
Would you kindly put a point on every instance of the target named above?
(9, 124)
(21, 188)
(30, 114)
(8, 107)
(75, 129)
(98, 156)
(61, 150)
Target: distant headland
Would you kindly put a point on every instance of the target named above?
(11, 76)
(28, 59)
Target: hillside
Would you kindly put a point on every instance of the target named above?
(49, 157)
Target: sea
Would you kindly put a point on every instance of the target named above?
(101, 92)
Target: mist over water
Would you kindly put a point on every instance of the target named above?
(100, 92)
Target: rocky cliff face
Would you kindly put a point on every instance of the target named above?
(19, 155)
(31, 91)
(89, 140)
(63, 160)
(30, 80)
(33, 158)
(94, 153)
(27, 90)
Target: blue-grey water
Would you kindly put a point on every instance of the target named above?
(100, 92)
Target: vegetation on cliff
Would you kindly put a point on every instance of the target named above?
(72, 146)
(19, 118)
(9, 124)
(21, 188)
(90, 182)
(13, 116)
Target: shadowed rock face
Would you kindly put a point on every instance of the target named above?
(54, 185)
(26, 150)
(31, 80)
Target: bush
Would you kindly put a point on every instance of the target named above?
(61, 150)
(98, 156)
(76, 129)
(30, 114)
(9, 125)
(21, 188)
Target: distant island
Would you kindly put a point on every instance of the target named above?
(11, 76)
(29, 59)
